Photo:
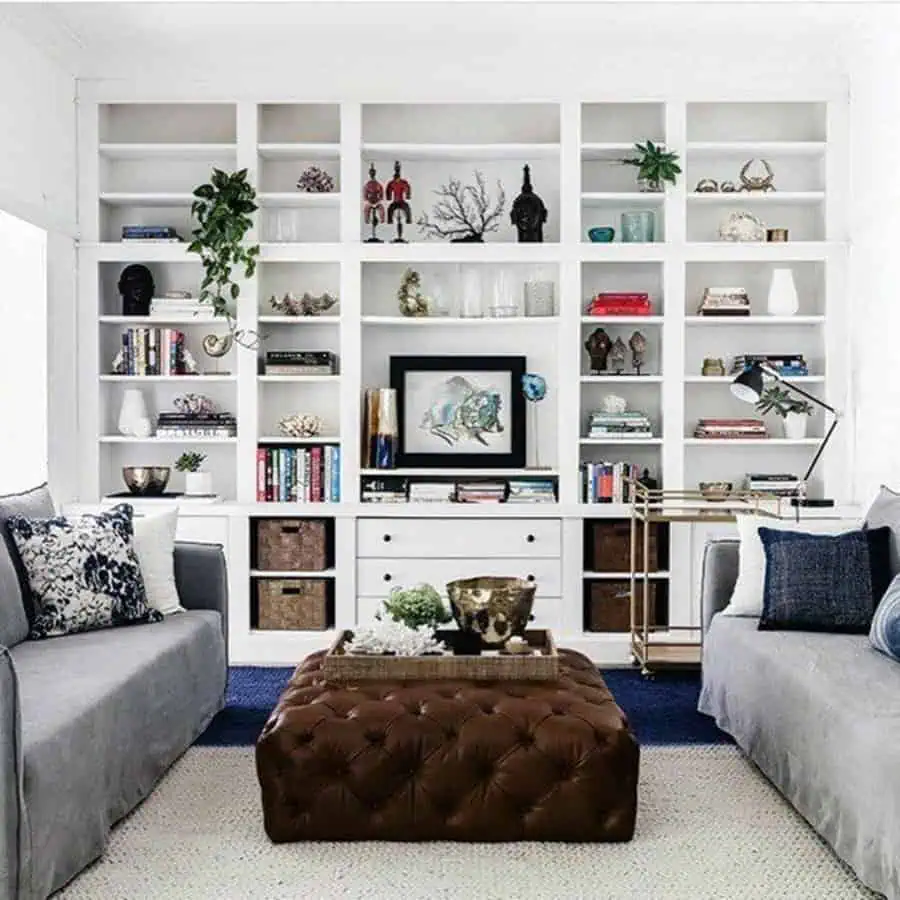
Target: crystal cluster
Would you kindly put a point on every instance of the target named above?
(393, 637)
(315, 181)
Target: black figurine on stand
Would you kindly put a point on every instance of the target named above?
(398, 192)
(137, 287)
(528, 212)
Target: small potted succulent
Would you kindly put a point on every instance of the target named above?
(195, 482)
(655, 166)
(415, 607)
(793, 411)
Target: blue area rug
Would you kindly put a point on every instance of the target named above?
(662, 710)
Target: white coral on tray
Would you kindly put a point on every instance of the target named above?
(396, 638)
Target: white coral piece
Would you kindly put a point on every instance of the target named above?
(301, 425)
(389, 636)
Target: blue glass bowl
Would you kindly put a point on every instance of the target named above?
(603, 235)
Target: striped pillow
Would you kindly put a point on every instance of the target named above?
(885, 631)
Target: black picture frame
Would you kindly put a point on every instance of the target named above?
(515, 366)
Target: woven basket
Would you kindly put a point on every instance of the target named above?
(292, 604)
(291, 545)
(610, 606)
(612, 546)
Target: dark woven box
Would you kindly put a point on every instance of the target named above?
(292, 604)
(291, 545)
(608, 606)
(612, 546)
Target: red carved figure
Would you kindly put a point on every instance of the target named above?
(373, 207)
(398, 191)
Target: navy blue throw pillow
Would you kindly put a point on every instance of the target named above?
(817, 582)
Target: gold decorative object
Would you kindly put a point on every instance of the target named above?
(715, 491)
(493, 607)
(412, 301)
(757, 183)
(777, 235)
(713, 367)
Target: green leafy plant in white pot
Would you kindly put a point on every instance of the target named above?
(196, 482)
(656, 166)
(793, 411)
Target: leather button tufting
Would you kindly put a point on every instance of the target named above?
(375, 737)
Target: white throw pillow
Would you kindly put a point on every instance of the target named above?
(747, 598)
(154, 543)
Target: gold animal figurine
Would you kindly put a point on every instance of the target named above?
(757, 183)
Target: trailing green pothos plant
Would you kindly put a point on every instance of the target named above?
(655, 165)
(223, 210)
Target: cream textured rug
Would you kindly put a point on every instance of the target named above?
(710, 827)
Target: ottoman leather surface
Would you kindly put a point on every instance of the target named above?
(448, 760)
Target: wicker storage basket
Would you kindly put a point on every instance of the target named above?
(608, 606)
(612, 546)
(291, 545)
(292, 604)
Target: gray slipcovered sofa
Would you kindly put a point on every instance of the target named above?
(819, 714)
(90, 722)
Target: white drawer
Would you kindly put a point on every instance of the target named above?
(459, 538)
(546, 611)
(203, 529)
(376, 577)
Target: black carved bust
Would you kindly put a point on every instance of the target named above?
(137, 288)
(528, 212)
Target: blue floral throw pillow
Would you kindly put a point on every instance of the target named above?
(83, 572)
(885, 631)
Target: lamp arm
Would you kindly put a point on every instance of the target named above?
(825, 441)
(774, 373)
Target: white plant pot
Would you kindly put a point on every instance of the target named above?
(783, 300)
(198, 483)
(795, 426)
(133, 413)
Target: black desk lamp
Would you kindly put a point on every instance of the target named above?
(749, 386)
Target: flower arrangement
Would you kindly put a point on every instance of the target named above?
(390, 636)
(416, 607)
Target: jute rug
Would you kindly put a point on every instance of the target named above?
(710, 827)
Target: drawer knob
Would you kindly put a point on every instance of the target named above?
(529, 577)
(387, 576)
(386, 538)
(529, 538)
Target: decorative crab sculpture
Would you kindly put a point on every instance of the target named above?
(763, 183)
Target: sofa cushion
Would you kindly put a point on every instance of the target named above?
(83, 572)
(154, 543)
(14, 590)
(885, 631)
(104, 714)
(885, 510)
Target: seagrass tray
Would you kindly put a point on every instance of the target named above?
(542, 664)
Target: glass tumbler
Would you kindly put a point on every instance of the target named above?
(638, 227)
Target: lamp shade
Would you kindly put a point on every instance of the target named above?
(748, 386)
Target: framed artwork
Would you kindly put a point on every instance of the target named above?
(460, 411)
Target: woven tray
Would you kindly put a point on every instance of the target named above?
(489, 666)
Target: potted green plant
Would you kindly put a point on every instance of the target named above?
(655, 166)
(416, 606)
(223, 210)
(195, 481)
(793, 411)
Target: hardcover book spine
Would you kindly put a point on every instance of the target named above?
(260, 475)
(336, 482)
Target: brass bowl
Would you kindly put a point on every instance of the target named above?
(146, 481)
(493, 607)
(715, 491)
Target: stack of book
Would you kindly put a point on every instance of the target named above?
(780, 484)
(731, 429)
(531, 490)
(209, 425)
(786, 364)
(300, 362)
(298, 474)
(480, 491)
(181, 307)
(724, 301)
(431, 491)
(608, 482)
(150, 234)
(153, 351)
(622, 303)
(629, 424)
(384, 489)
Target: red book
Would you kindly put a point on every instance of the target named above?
(607, 309)
(623, 296)
(315, 483)
(260, 475)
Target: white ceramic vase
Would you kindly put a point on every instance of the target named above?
(783, 300)
(133, 414)
(196, 483)
(795, 426)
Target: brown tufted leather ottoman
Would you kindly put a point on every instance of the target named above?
(448, 760)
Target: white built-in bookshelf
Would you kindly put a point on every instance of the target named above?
(140, 162)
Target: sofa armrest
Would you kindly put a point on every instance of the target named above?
(202, 577)
(720, 572)
(11, 811)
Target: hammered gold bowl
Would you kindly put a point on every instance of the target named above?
(493, 607)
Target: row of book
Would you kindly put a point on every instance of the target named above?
(298, 474)
(150, 234)
(780, 484)
(153, 351)
(786, 364)
(396, 489)
(731, 428)
(300, 362)
(620, 303)
(209, 425)
(629, 424)
(608, 482)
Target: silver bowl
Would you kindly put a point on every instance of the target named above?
(715, 491)
(146, 481)
(493, 608)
